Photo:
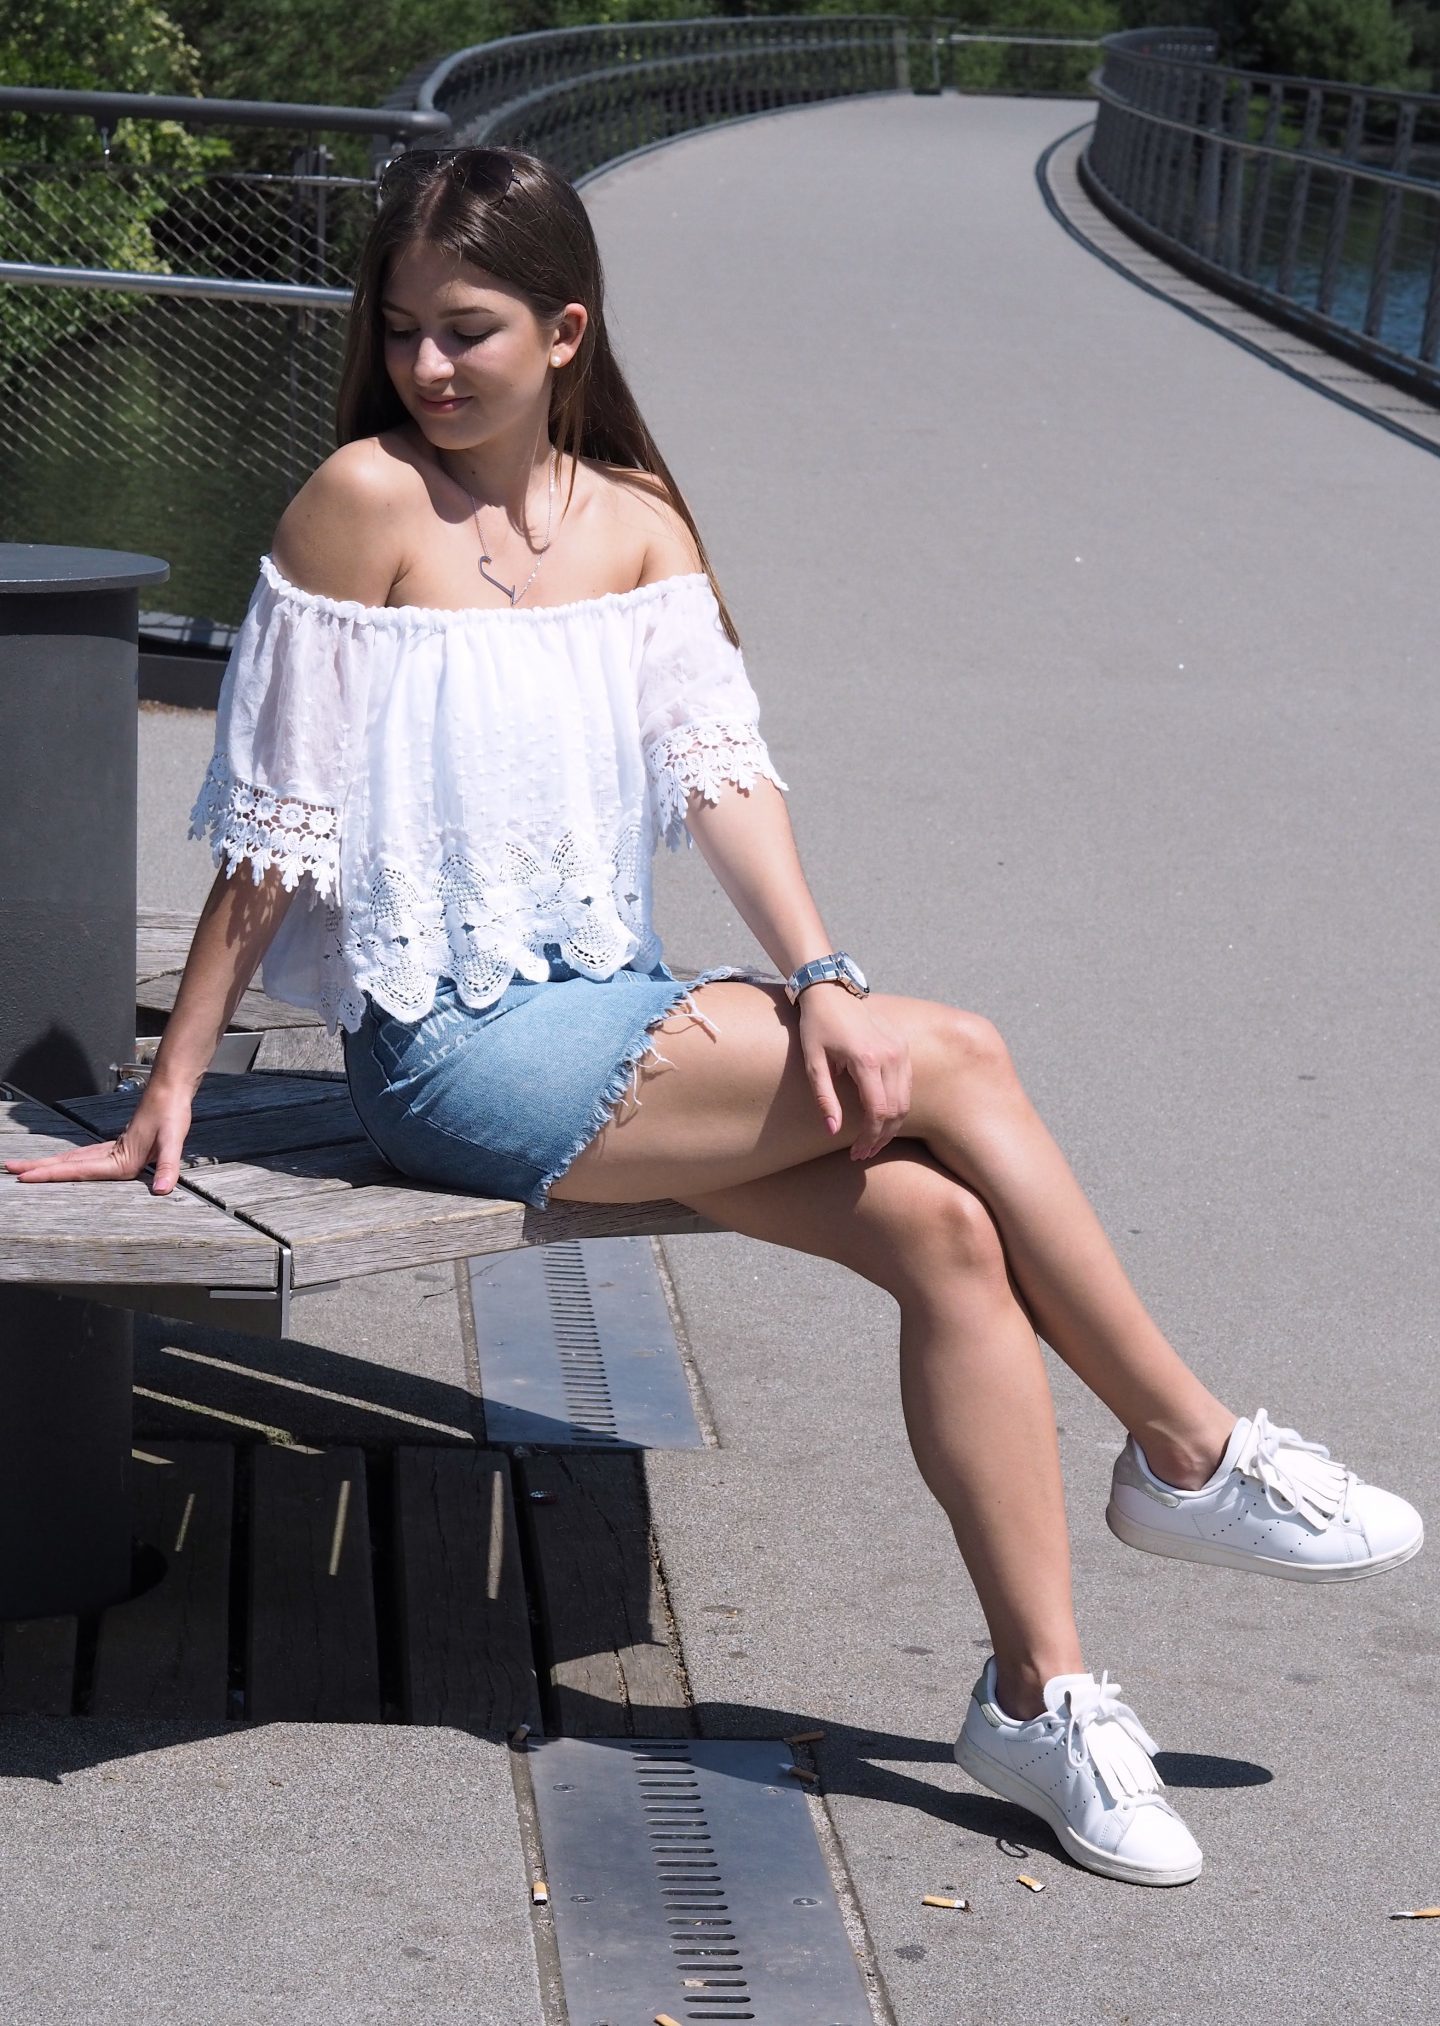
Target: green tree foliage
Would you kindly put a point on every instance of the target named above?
(70, 206)
(1354, 41)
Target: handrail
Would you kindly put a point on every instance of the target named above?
(1226, 173)
(229, 112)
(206, 296)
(1138, 42)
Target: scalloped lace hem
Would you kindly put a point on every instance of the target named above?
(245, 820)
(704, 754)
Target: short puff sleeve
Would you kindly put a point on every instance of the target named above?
(698, 713)
(284, 740)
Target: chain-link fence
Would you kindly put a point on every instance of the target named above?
(173, 301)
(171, 335)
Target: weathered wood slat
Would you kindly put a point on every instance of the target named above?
(218, 1096)
(37, 1666)
(166, 1652)
(162, 940)
(312, 1650)
(251, 1137)
(308, 1171)
(605, 1639)
(463, 1621)
(105, 1232)
(298, 1047)
(21, 1140)
(341, 1234)
(255, 1009)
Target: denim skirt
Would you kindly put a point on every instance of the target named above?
(499, 1100)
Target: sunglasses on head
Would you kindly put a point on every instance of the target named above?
(486, 171)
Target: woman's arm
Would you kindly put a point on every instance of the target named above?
(236, 927)
(748, 843)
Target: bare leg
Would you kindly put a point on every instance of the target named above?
(973, 1390)
(736, 1105)
(987, 1132)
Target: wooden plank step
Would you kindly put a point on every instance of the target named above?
(166, 1652)
(37, 1666)
(312, 1652)
(607, 1653)
(463, 1620)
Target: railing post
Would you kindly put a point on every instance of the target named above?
(901, 35)
(1207, 198)
(1340, 209)
(68, 704)
(1299, 193)
(1391, 208)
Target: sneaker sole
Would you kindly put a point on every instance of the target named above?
(1013, 1787)
(1154, 1541)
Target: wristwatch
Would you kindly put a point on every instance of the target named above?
(837, 967)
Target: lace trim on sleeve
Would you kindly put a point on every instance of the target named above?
(247, 821)
(703, 754)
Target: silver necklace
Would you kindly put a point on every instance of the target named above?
(485, 556)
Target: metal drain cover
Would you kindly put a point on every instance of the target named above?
(685, 1877)
(576, 1348)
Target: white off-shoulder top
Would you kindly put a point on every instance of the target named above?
(459, 788)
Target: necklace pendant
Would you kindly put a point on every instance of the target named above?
(508, 589)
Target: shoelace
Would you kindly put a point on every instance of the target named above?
(1304, 1473)
(1108, 1732)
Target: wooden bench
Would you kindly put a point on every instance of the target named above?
(281, 1194)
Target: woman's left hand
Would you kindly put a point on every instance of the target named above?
(840, 1031)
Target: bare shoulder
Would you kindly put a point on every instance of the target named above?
(663, 542)
(340, 534)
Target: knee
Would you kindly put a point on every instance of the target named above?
(973, 1044)
(947, 1230)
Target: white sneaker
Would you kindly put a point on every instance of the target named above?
(1275, 1503)
(1084, 1767)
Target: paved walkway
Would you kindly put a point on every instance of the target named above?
(1100, 657)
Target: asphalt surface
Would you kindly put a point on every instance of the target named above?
(1099, 656)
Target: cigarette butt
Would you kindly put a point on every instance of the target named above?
(519, 1734)
(805, 1738)
(939, 1899)
(1419, 1913)
(540, 1893)
(664, 2019)
(802, 1773)
(1035, 1884)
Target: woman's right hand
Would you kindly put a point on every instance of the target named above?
(156, 1133)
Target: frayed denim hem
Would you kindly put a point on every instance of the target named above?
(628, 1069)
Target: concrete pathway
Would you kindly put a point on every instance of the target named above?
(1100, 658)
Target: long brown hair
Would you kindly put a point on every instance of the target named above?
(516, 217)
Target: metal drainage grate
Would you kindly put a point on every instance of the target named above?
(576, 1348)
(685, 1877)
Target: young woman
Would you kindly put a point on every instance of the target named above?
(485, 669)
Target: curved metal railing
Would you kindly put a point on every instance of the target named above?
(583, 97)
(1317, 201)
(588, 97)
(170, 343)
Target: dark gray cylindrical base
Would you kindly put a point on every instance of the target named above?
(65, 1434)
(68, 660)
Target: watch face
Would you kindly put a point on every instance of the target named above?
(853, 971)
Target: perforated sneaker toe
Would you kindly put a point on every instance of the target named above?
(1276, 1504)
